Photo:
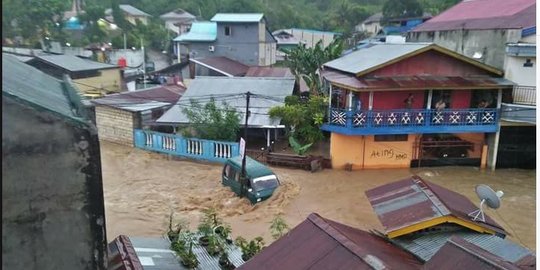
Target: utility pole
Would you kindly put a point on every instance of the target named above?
(243, 176)
(143, 64)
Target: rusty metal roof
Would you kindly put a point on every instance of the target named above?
(484, 14)
(413, 201)
(319, 243)
(224, 65)
(394, 83)
(269, 72)
(460, 254)
(144, 99)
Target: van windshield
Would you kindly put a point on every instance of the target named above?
(264, 182)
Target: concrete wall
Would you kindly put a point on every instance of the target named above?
(491, 43)
(363, 152)
(311, 37)
(133, 58)
(516, 72)
(108, 81)
(52, 193)
(115, 125)
(244, 45)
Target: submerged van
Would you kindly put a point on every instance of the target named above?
(261, 180)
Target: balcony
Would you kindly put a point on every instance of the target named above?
(523, 107)
(403, 121)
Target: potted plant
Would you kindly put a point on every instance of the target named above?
(188, 258)
(183, 247)
(251, 248)
(215, 244)
(205, 230)
(224, 231)
(224, 261)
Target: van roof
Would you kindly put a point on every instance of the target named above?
(253, 167)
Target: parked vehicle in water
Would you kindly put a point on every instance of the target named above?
(260, 183)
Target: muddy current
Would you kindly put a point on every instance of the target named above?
(142, 189)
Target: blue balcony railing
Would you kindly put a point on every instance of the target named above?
(412, 121)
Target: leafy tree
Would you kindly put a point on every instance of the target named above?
(401, 9)
(303, 118)
(212, 123)
(32, 19)
(93, 12)
(306, 62)
(278, 227)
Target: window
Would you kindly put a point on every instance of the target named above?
(528, 63)
(392, 138)
(228, 31)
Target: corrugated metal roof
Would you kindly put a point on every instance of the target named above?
(285, 38)
(319, 243)
(72, 63)
(373, 56)
(178, 14)
(155, 254)
(460, 254)
(24, 82)
(425, 245)
(237, 17)
(199, 31)
(134, 11)
(278, 72)
(413, 201)
(223, 65)
(484, 14)
(232, 90)
(143, 99)
(406, 83)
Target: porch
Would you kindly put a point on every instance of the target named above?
(411, 121)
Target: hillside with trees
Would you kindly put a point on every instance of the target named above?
(35, 19)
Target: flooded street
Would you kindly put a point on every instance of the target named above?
(142, 188)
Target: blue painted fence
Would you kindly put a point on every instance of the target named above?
(214, 151)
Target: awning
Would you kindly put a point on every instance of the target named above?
(406, 83)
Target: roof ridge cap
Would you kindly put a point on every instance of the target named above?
(371, 260)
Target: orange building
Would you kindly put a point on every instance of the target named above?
(412, 104)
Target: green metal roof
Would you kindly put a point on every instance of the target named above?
(72, 63)
(28, 84)
(200, 31)
(237, 17)
(253, 168)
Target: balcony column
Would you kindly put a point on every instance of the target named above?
(369, 117)
(429, 98)
(495, 144)
(350, 111)
(330, 91)
(428, 107)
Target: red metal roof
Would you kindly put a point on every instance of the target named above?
(484, 14)
(122, 255)
(460, 254)
(394, 83)
(269, 72)
(223, 64)
(319, 243)
(413, 200)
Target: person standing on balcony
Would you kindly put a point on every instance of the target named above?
(440, 105)
(409, 101)
(358, 104)
(483, 104)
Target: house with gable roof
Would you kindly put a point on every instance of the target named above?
(178, 20)
(243, 37)
(131, 14)
(501, 34)
(412, 104)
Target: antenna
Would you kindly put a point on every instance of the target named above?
(487, 196)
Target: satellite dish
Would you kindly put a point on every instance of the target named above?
(487, 196)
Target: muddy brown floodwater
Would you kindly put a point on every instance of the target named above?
(142, 188)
